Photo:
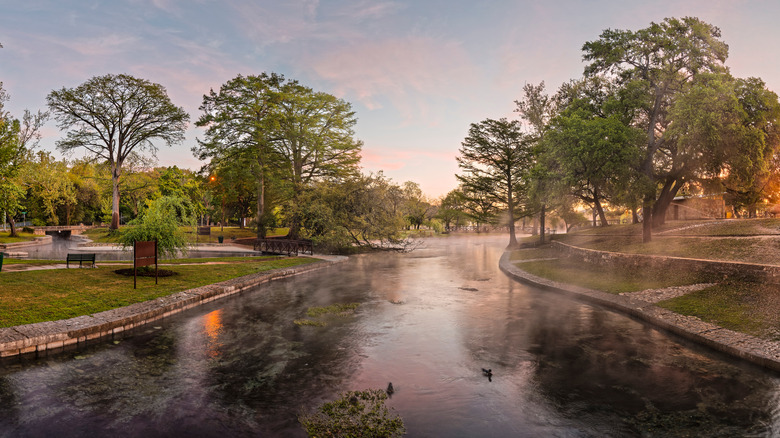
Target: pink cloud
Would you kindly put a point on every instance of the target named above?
(407, 72)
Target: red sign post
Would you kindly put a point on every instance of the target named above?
(144, 254)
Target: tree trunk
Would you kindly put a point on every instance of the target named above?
(634, 215)
(600, 210)
(511, 205)
(668, 192)
(647, 220)
(12, 223)
(541, 225)
(260, 203)
(115, 171)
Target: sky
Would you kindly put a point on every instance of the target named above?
(416, 72)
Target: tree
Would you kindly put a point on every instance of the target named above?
(416, 208)
(239, 125)
(537, 109)
(17, 139)
(657, 63)
(113, 116)
(293, 135)
(49, 187)
(452, 209)
(354, 212)
(590, 149)
(753, 168)
(315, 139)
(496, 158)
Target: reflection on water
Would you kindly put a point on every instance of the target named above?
(59, 248)
(428, 322)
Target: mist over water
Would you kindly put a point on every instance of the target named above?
(428, 322)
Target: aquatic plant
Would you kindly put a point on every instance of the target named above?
(355, 414)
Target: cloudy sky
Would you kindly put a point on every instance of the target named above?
(417, 72)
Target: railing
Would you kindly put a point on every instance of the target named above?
(284, 246)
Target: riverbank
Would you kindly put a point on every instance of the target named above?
(55, 336)
(643, 304)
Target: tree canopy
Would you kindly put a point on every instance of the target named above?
(495, 158)
(114, 116)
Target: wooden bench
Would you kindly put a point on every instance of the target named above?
(80, 258)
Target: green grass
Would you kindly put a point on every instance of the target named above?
(35, 296)
(545, 252)
(744, 307)
(20, 237)
(32, 262)
(614, 281)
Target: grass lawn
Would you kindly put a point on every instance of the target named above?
(614, 281)
(744, 307)
(20, 237)
(47, 295)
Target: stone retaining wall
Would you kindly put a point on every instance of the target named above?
(750, 348)
(712, 270)
(53, 336)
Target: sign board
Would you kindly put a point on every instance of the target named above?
(144, 254)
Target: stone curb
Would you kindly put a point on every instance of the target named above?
(750, 348)
(55, 335)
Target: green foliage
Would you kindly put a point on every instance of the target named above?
(163, 222)
(287, 137)
(356, 414)
(115, 116)
(497, 158)
(363, 211)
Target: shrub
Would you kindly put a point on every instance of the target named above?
(162, 222)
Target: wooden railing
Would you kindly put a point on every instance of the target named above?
(284, 246)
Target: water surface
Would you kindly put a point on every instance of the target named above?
(428, 322)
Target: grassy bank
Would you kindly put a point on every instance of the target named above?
(46, 295)
(751, 308)
(545, 263)
(5, 237)
(743, 240)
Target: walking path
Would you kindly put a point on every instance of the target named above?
(641, 305)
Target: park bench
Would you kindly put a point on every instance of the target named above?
(80, 258)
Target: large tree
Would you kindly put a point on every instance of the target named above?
(536, 108)
(659, 63)
(293, 135)
(590, 147)
(752, 169)
(17, 139)
(240, 122)
(496, 158)
(314, 136)
(113, 116)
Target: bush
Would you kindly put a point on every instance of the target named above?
(354, 414)
(162, 222)
(28, 230)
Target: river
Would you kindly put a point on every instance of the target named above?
(428, 322)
